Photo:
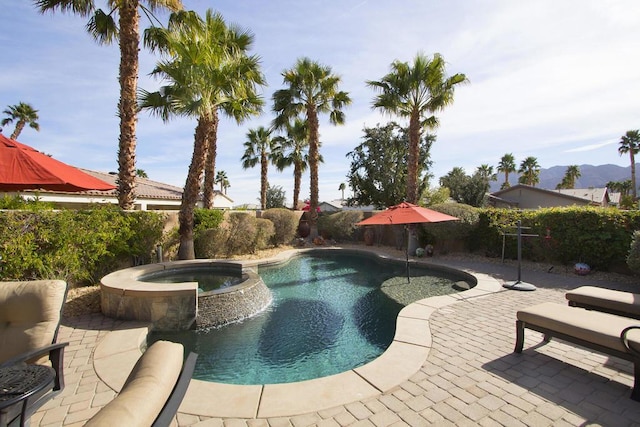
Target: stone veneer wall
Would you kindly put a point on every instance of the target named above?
(239, 302)
(178, 306)
(167, 311)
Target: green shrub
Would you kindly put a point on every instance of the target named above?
(242, 233)
(633, 257)
(205, 219)
(76, 246)
(446, 233)
(211, 243)
(599, 237)
(265, 230)
(17, 202)
(285, 222)
(340, 226)
(235, 236)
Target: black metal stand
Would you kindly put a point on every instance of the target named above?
(519, 285)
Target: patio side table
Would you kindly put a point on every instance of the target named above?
(20, 385)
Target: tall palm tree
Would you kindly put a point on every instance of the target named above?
(207, 69)
(416, 91)
(23, 114)
(260, 148)
(223, 180)
(294, 151)
(486, 173)
(630, 143)
(507, 165)
(529, 171)
(311, 90)
(570, 176)
(102, 26)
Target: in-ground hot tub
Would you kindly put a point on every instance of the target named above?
(168, 304)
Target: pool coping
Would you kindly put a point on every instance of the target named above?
(119, 350)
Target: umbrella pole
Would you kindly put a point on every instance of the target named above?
(406, 251)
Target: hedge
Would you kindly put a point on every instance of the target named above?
(78, 246)
(600, 237)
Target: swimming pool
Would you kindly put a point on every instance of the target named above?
(330, 313)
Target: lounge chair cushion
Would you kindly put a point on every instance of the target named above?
(146, 389)
(592, 326)
(29, 315)
(607, 299)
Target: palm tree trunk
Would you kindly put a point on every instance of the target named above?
(633, 175)
(412, 167)
(210, 165)
(297, 177)
(18, 129)
(192, 187)
(312, 119)
(128, 109)
(264, 165)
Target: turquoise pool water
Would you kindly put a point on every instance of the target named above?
(207, 279)
(330, 314)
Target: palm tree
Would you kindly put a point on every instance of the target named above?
(570, 176)
(102, 25)
(260, 148)
(23, 114)
(416, 91)
(140, 173)
(223, 180)
(207, 69)
(507, 165)
(630, 143)
(342, 187)
(486, 173)
(529, 171)
(294, 151)
(312, 89)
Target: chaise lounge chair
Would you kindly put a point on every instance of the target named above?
(603, 332)
(606, 300)
(30, 314)
(153, 391)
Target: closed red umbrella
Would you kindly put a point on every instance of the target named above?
(24, 168)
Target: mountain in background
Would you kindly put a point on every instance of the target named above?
(592, 176)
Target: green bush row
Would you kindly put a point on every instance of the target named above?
(243, 233)
(600, 237)
(76, 246)
(340, 226)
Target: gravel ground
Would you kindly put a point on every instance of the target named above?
(86, 300)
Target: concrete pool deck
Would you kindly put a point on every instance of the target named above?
(468, 376)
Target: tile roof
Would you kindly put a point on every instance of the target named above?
(145, 188)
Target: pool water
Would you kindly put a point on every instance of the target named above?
(207, 281)
(330, 314)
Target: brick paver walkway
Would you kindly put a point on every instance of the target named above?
(471, 377)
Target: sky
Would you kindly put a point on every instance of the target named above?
(555, 79)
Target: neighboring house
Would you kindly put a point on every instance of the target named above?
(150, 195)
(330, 207)
(527, 197)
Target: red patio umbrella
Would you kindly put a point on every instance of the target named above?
(24, 168)
(405, 214)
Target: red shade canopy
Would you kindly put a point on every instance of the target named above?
(406, 213)
(24, 168)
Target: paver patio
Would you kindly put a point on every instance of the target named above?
(470, 377)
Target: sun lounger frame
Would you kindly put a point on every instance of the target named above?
(631, 355)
